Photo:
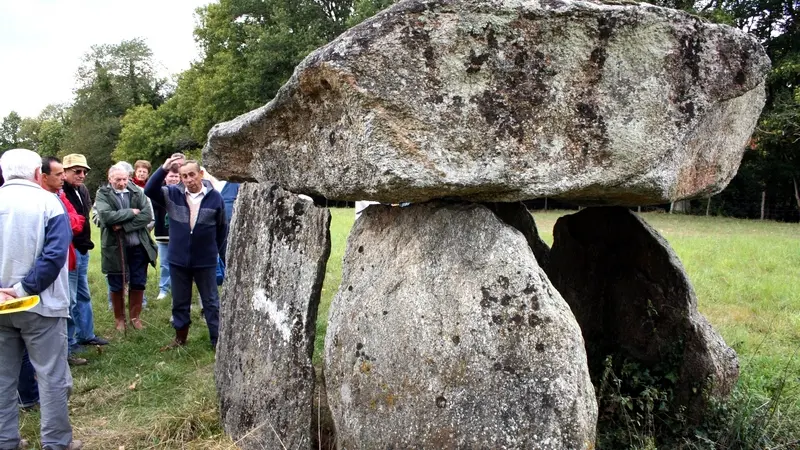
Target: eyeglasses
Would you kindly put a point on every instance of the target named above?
(80, 171)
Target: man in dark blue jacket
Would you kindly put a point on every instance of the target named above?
(197, 233)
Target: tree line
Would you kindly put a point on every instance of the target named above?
(122, 109)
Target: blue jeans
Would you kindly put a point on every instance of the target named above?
(72, 341)
(81, 312)
(28, 388)
(163, 262)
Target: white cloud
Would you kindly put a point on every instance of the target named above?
(42, 42)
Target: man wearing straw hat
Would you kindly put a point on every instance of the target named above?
(75, 171)
(34, 262)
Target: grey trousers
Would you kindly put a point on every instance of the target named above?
(46, 341)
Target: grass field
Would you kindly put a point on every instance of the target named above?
(746, 274)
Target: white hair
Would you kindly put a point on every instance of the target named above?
(20, 163)
(120, 166)
(126, 166)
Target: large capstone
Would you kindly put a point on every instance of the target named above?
(506, 100)
(445, 333)
(635, 303)
(277, 251)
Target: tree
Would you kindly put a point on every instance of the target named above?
(10, 130)
(53, 122)
(153, 134)
(111, 80)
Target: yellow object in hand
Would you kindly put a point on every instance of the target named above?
(19, 304)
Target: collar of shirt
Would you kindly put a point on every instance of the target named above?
(197, 195)
(123, 191)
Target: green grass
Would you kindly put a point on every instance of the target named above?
(746, 274)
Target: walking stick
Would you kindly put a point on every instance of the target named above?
(120, 244)
(122, 259)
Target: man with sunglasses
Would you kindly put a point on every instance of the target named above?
(75, 170)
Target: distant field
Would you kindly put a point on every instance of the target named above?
(746, 274)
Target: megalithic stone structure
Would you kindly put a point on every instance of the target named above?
(277, 252)
(445, 322)
(446, 333)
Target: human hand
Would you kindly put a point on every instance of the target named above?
(116, 227)
(136, 211)
(7, 294)
(176, 158)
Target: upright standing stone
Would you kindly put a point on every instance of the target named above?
(633, 300)
(277, 251)
(445, 333)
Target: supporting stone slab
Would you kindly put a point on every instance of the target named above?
(445, 333)
(277, 251)
(634, 301)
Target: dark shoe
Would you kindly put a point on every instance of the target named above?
(118, 303)
(179, 341)
(135, 299)
(97, 340)
(77, 361)
(33, 406)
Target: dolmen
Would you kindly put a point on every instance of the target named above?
(455, 325)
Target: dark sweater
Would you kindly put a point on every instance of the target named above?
(80, 199)
(191, 248)
(161, 230)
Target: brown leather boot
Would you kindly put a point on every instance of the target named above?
(181, 336)
(118, 303)
(135, 299)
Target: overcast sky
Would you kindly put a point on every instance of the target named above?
(42, 42)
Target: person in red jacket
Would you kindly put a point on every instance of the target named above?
(141, 172)
(53, 181)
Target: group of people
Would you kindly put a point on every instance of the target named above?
(45, 239)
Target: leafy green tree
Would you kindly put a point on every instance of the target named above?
(52, 128)
(10, 131)
(153, 134)
(111, 80)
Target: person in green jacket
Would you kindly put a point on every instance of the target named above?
(126, 246)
